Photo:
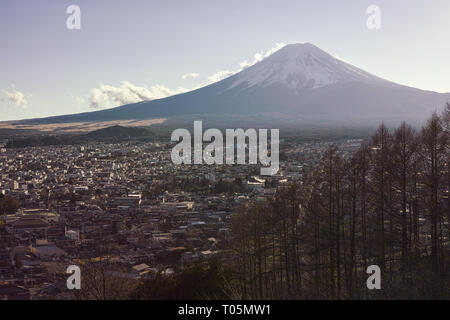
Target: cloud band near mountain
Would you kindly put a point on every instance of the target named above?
(108, 96)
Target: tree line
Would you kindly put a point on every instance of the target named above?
(386, 204)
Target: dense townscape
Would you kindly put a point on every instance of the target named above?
(124, 205)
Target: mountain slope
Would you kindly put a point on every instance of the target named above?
(299, 81)
(302, 66)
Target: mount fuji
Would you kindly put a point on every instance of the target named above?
(298, 82)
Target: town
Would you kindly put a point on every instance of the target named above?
(125, 203)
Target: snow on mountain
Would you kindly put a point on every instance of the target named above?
(301, 66)
(299, 82)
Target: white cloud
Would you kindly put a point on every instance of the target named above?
(16, 97)
(220, 75)
(192, 75)
(109, 96)
(277, 47)
(257, 57)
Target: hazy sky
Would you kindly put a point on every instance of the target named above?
(130, 50)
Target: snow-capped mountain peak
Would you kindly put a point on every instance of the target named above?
(300, 66)
(299, 83)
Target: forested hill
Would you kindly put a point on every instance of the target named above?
(119, 132)
(114, 133)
